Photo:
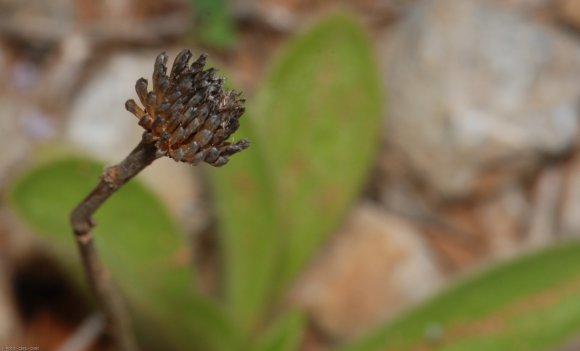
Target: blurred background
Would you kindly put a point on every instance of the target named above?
(413, 180)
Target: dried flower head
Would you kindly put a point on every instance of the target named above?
(189, 115)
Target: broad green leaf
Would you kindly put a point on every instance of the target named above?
(530, 304)
(318, 116)
(137, 240)
(315, 125)
(243, 196)
(284, 335)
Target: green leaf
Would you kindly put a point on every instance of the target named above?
(318, 117)
(527, 304)
(215, 24)
(137, 240)
(284, 335)
(245, 206)
(313, 130)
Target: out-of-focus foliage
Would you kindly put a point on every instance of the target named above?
(244, 200)
(319, 116)
(214, 25)
(314, 128)
(284, 335)
(137, 240)
(529, 304)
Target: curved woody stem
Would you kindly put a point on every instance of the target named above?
(117, 319)
(188, 116)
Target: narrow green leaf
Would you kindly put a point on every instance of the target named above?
(243, 199)
(319, 114)
(137, 240)
(529, 304)
(284, 335)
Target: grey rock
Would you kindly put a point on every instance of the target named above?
(473, 88)
(98, 120)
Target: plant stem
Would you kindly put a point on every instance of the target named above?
(106, 295)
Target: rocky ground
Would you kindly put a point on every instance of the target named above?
(479, 159)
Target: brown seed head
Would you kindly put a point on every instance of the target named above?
(188, 115)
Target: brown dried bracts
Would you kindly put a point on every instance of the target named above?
(189, 114)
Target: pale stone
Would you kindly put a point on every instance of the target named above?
(373, 267)
(474, 88)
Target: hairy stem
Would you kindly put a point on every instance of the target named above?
(117, 319)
